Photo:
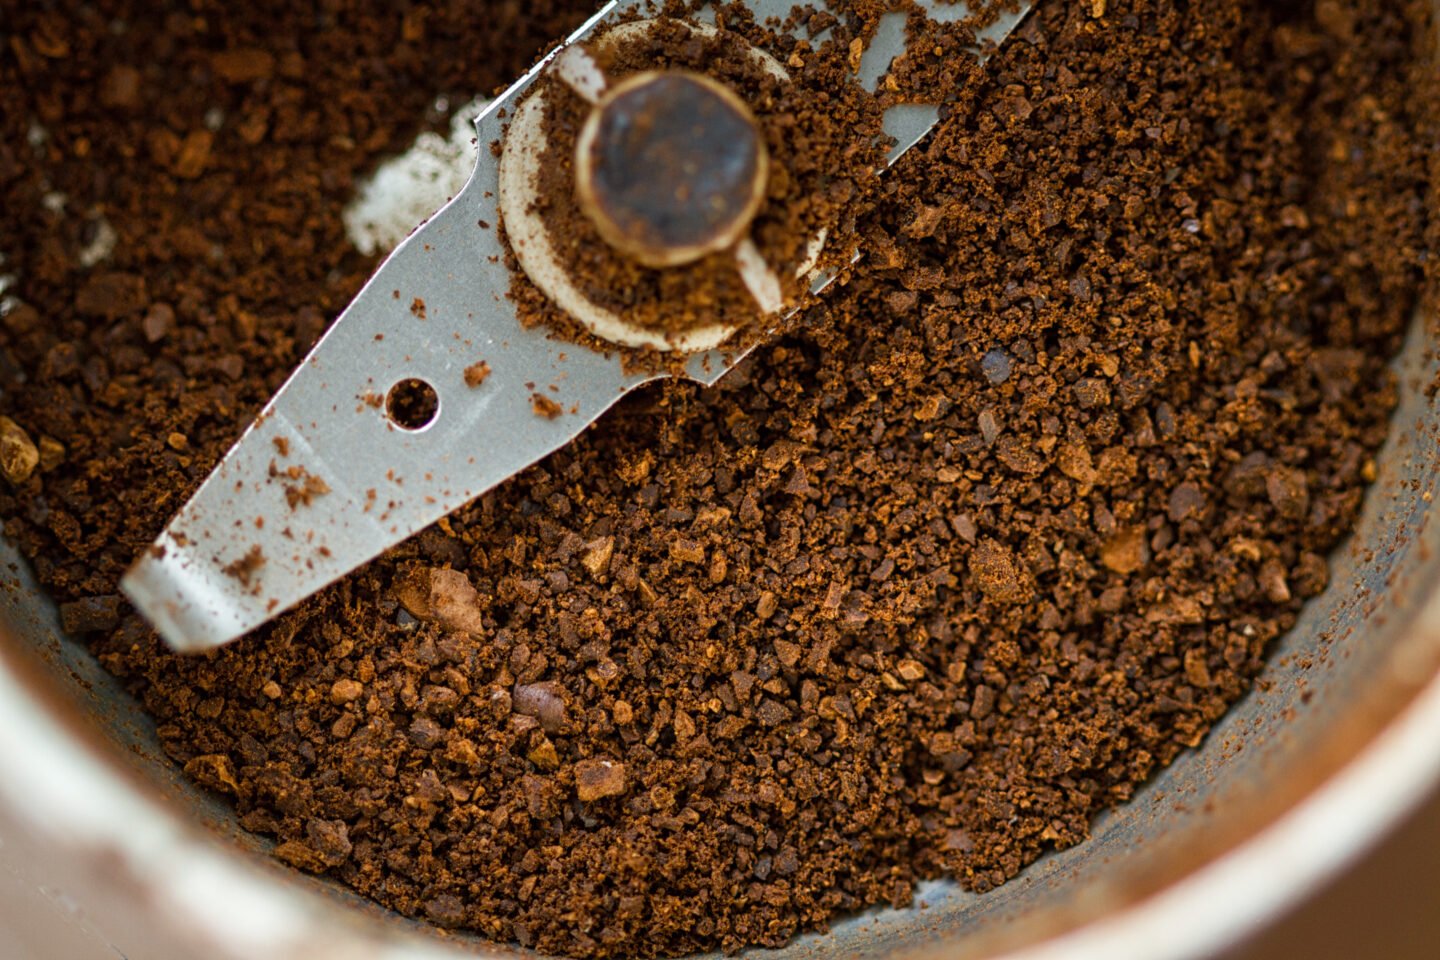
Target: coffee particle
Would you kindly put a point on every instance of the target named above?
(477, 373)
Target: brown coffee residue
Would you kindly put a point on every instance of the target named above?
(999, 528)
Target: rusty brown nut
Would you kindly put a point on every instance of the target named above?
(670, 167)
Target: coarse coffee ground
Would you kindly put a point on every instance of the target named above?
(1004, 525)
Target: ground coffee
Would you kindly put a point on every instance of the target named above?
(1007, 522)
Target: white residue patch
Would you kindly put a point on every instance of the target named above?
(7, 280)
(406, 190)
(101, 245)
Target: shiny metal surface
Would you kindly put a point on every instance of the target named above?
(324, 480)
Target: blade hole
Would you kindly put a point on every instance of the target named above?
(412, 404)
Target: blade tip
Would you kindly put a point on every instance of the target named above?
(151, 588)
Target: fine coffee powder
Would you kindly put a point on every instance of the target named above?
(997, 529)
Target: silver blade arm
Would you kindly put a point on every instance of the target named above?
(324, 481)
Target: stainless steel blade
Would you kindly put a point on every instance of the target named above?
(323, 481)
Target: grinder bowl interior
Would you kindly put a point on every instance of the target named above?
(100, 816)
(1357, 657)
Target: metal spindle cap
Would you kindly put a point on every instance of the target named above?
(670, 167)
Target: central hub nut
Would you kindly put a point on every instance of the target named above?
(667, 185)
(670, 167)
